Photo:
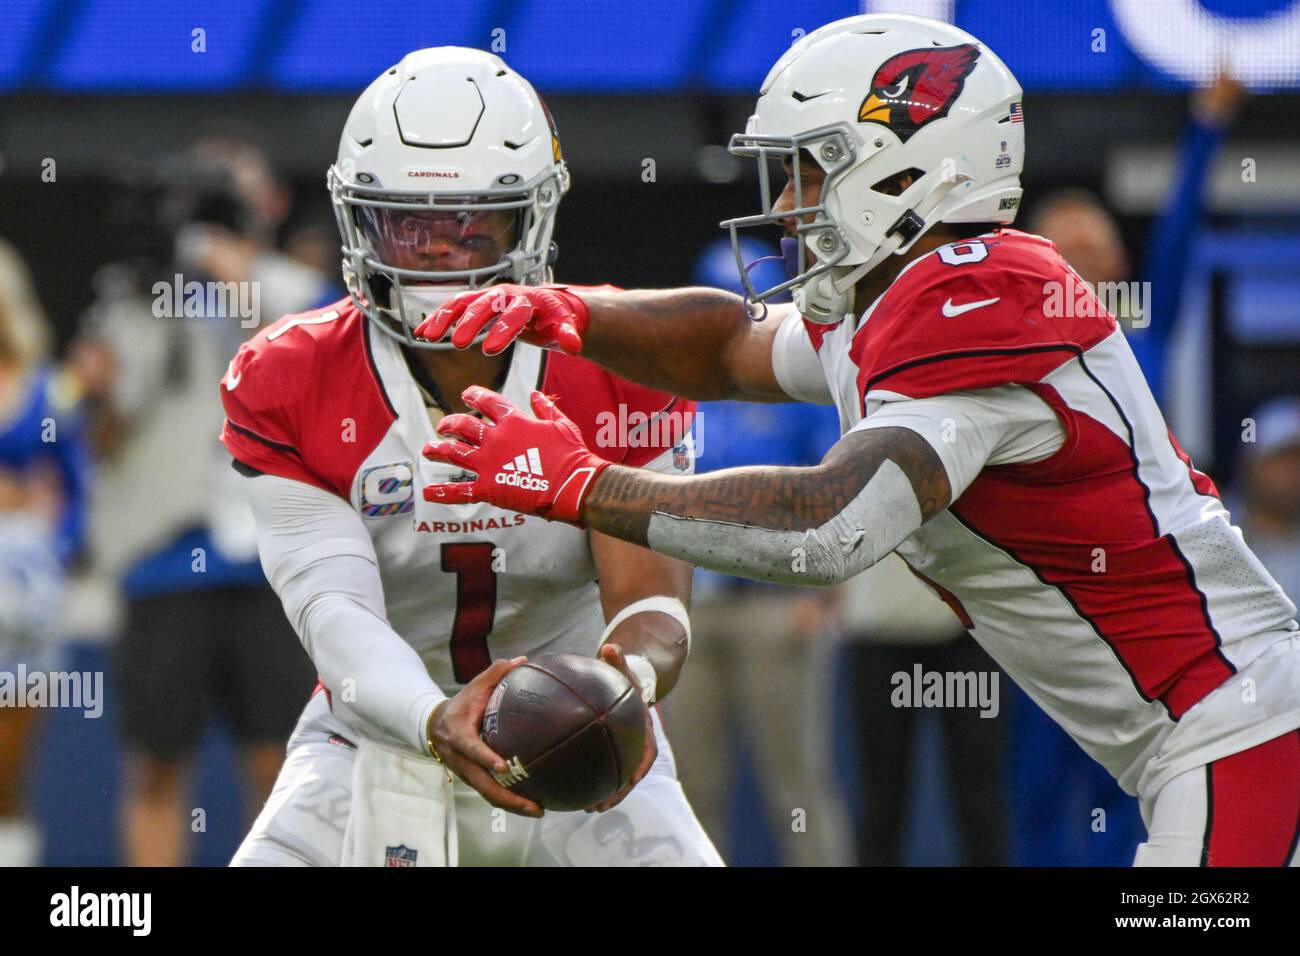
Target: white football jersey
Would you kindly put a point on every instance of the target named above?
(1101, 570)
(321, 398)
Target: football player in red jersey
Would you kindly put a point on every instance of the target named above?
(448, 178)
(998, 435)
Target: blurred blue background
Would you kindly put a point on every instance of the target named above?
(672, 45)
(107, 87)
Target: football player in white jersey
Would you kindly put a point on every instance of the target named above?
(998, 435)
(448, 178)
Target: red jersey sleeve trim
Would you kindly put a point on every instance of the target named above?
(638, 456)
(268, 456)
(277, 446)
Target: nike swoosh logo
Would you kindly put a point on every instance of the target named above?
(232, 380)
(951, 310)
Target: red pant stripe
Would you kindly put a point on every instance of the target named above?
(1253, 805)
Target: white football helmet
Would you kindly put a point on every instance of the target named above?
(870, 97)
(448, 178)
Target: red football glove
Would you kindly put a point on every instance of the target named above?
(549, 316)
(539, 466)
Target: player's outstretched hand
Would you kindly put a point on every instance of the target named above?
(539, 466)
(612, 655)
(548, 316)
(454, 732)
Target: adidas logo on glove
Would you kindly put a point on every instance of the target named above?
(524, 472)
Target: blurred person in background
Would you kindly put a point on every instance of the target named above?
(759, 643)
(1267, 505)
(44, 474)
(898, 623)
(204, 634)
(228, 209)
(313, 241)
(1086, 234)
(1077, 814)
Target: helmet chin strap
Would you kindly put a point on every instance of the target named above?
(828, 298)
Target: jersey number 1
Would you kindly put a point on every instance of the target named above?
(476, 606)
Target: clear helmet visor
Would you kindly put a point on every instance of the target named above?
(406, 253)
(434, 241)
(409, 257)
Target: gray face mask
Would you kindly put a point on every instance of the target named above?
(381, 230)
(837, 152)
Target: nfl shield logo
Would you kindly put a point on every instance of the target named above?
(681, 456)
(399, 856)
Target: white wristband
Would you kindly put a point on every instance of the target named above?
(645, 675)
(637, 664)
(661, 603)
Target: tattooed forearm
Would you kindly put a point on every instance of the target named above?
(694, 342)
(862, 452)
(623, 500)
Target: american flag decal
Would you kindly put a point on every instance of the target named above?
(1017, 113)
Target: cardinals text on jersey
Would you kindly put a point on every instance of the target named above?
(320, 398)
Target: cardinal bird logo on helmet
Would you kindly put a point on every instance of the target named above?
(917, 86)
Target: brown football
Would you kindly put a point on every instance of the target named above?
(571, 728)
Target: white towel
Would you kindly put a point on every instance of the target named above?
(403, 811)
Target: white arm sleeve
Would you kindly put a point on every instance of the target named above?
(968, 430)
(795, 364)
(319, 559)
